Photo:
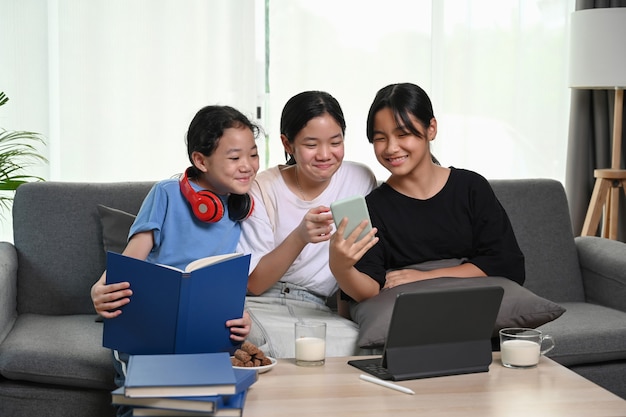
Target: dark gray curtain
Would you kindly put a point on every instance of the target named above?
(589, 141)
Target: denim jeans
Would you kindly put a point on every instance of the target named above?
(275, 312)
(120, 362)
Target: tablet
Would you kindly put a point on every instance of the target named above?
(436, 333)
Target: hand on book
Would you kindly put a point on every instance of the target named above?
(240, 328)
(109, 298)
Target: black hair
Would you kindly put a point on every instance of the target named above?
(306, 106)
(403, 99)
(208, 126)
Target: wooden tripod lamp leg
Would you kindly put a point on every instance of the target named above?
(608, 182)
(594, 212)
(612, 214)
(617, 128)
(612, 207)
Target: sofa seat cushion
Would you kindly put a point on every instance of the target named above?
(587, 333)
(61, 350)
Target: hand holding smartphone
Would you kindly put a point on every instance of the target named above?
(355, 209)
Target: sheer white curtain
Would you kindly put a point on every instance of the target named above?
(113, 84)
(131, 75)
(120, 80)
(495, 71)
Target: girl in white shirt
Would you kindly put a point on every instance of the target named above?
(289, 230)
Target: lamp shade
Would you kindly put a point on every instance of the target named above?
(598, 48)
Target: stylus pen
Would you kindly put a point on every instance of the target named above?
(386, 384)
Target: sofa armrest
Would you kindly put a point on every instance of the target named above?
(603, 267)
(8, 288)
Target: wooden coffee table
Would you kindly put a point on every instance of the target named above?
(336, 390)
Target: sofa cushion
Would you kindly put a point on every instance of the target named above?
(587, 333)
(57, 234)
(27, 399)
(62, 350)
(519, 308)
(540, 218)
(115, 226)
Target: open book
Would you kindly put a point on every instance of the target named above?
(174, 311)
(202, 262)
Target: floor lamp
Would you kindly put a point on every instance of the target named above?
(598, 61)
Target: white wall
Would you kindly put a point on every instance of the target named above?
(24, 77)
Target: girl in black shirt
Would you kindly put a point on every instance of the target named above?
(423, 212)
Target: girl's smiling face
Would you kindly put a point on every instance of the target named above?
(318, 149)
(231, 168)
(397, 149)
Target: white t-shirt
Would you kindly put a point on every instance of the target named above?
(260, 234)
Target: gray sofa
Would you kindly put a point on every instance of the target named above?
(51, 359)
(52, 362)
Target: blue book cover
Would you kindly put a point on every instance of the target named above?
(173, 311)
(228, 406)
(210, 403)
(180, 375)
(206, 404)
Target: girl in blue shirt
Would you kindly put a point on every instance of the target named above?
(196, 216)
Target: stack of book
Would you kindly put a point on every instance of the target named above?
(198, 384)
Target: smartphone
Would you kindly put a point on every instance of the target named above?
(355, 209)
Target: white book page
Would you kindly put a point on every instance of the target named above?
(209, 260)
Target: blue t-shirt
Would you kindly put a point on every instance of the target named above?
(179, 237)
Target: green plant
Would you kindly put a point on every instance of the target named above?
(18, 151)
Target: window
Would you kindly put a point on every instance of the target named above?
(495, 71)
(113, 84)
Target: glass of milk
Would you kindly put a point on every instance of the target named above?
(521, 347)
(310, 343)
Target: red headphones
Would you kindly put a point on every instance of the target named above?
(208, 207)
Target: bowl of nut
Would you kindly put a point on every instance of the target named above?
(248, 356)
